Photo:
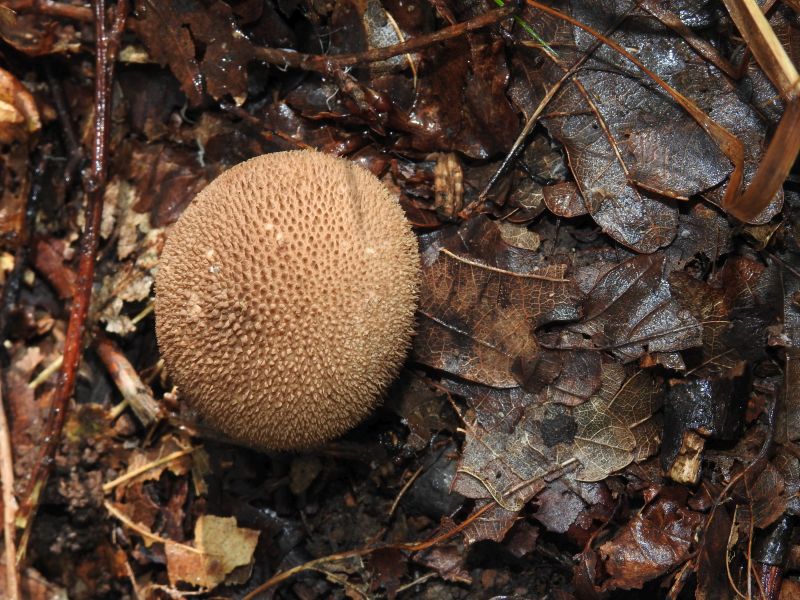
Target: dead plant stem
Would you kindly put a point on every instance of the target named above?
(9, 505)
(106, 45)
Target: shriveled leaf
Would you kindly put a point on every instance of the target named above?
(38, 35)
(222, 67)
(627, 214)
(147, 464)
(711, 307)
(564, 200)
(388, 567)
(513, 441)
(19, 117)
(220, 546)
(519, 236)
(451, 112)
(703, 231)
(164, 180)
(138, 242)
(424, 411)
(480, 302)
(616, 426)
(449, 561)
(631, 311)
(579, 378)
(567, 505)
(604, 443)
(654, 542)
(492, 525)
(507, 467)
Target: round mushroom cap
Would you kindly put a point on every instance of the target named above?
(285, 299)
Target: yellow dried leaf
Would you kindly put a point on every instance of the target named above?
(220, 546)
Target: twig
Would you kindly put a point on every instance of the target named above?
(340, 556)
(107, 487)
(95, 188)
(404, 489)
(128, 381)
(416, 582)
(327, 64)
(46, 373)
(144, 531)
(9, 505)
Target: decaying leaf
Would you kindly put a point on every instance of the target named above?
(222, 69)
(220, 546)
(618, 425)
(19, 117)
(450, 113)
(449, 562)
(148, 465)
(37, 36)
(631, 311)
(653, 542)
(140, 244)
(481, 302)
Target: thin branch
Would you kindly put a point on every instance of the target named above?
(340, 556)
(125, 477)
(127, 380)
(95, 188)
(328, 63)
(9, 505)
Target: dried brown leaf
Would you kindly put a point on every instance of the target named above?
(617, 425)
(19, 117)
(652, 543)
(477, 316)
(222, 70)
(220, 546)
(631, 311)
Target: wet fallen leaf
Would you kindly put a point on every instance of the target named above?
(222, 69)
(618, 425)
(655, 541)
(449, 561)
(450, 112)
(481, 301)
(630, 311)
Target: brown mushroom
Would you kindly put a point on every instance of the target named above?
(285, 299)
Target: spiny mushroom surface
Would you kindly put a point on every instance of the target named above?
(285, 298)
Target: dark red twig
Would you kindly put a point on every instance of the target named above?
(52, 9)
(94, 183)
(289, 58)
(327, 64)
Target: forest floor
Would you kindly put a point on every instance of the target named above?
(603, 397)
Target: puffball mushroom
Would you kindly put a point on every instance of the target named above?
(285, 299)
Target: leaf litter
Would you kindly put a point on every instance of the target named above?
(602, 393)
